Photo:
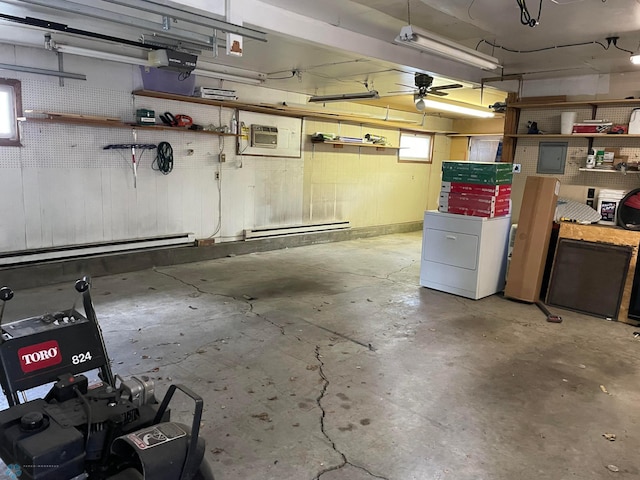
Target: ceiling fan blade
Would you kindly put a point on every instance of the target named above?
(401, 91)
(438, 93)
(447, 87)
(403, 85)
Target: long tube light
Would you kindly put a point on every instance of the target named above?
(448, 107)
(256, 78)
(232, 71)
(86, 52)
(430, 42)
(225, 76)
(344, 97)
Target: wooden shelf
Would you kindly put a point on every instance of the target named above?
(114, 124)
(337, 144)
(500, 134)
(285, 111)
(584, 103)
(572, 135)
(603, 170)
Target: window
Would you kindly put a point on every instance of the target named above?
(485, 148)
(415, 147)
(10, 109)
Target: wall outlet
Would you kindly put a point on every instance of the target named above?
(223, 157)
(517, 167)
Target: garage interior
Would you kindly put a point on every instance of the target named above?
(259, 226)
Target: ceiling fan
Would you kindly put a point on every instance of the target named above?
(423, 87)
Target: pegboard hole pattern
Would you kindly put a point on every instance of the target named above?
(527, 155)
(548, 120)
(76, 97)
(54, 145)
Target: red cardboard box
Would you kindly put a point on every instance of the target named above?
(489, 212)
(475, 189)
(466, 200)
(591, 127)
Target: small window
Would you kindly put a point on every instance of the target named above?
(10, 109)
(415, 147)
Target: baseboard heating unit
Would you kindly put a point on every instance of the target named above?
(74, 251)
(266, 232)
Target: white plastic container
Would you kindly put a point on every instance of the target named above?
(634, 122)
(608, 201)
(567, 119)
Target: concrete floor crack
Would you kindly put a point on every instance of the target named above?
(199, 290)
(259, 315)
(194, 286)
(399, 271)
(323, 392)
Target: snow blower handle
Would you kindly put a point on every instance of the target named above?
(6, 294)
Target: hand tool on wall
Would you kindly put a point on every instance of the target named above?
(133, 147)
(133, 159)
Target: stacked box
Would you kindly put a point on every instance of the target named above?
(477, 172)
(466, 200)
(476, 189)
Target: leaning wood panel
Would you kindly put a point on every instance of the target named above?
(612, 236)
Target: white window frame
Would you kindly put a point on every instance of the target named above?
(408, 151)
(11, 113)
(483, 148)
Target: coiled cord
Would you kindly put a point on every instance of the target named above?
(164, 158)
(525, 16)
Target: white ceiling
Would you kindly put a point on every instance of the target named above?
(323, 68)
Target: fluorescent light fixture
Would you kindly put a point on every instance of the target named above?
(430, 42)
(635, 58)
(225, 72)
(114, 57)
(344, 97)
(224, 76)
(448, 107)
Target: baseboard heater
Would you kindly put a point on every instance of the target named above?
(60, 253)
(258, 233)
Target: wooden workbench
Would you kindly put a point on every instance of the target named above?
(613, 236)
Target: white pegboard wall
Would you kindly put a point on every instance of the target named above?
(54, 145)
(527, 155)
(548, 119)
(76, 97)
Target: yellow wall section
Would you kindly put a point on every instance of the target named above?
(459, 148)
(364, 185)
(479, 125)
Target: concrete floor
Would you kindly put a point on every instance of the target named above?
(329, 361)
